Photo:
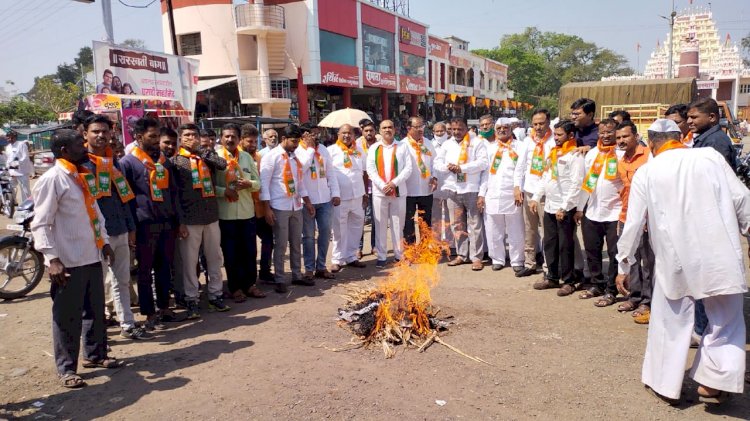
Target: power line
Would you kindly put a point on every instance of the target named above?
(15, 18)
(41, 19)
(136, 6)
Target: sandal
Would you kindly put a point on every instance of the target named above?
(105, 363)
(641, 310)
(566, 290)
(477, 265)
(71, 381)
(239, 297)
(607, 300)
(626, 307)
(716, 399)
(324, 274)
(590, 292)
(255, 292)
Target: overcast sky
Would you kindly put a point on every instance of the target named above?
(37, 35)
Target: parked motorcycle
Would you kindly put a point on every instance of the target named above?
(7, 193)
(21, 266)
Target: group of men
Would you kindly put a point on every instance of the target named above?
(177, 201)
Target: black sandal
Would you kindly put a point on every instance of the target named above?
(607, 300)
(591, 292)
(105, 363)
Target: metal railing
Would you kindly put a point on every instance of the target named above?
(263, 87)
(259, 15)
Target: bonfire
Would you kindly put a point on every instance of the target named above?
(398, 311)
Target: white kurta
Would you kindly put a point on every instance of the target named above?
(604, 203)
(696, 208)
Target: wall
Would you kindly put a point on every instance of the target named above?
(248, 45)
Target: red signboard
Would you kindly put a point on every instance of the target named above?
(379, 80)
(338, 16)
(438, 48)
(413, 85)
(334, 74)
(412, 37)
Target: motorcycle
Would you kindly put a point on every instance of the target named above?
(21, 266)
(7, 193)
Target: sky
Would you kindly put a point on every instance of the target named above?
(37, 35)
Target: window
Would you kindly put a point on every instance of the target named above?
(745, 89)
(377, 48)
(412, 65)
(335, 48)
(190, 44)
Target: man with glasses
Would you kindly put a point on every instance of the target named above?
(422, 181)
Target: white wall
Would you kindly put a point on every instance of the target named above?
(297, 50)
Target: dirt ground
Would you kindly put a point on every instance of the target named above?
(552, 358)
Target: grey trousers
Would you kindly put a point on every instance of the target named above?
(78, 307)
(642, 272)
(468, 225)
(287, 230)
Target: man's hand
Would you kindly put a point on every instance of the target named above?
(243, 184)
(581, 150)
(560, 214)
(109, 254)
(57, 272)
(533, 205)
(480, 204)
(182, 232)
(231, 194)
(336, 201)
(389, 188)
(310, 208)
(131, 240)
(578, 217)
(454, 168)
(270, 216)
(623, 283)
(518, 196)
(433, 184)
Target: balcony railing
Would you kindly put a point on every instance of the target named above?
(259, 15)
(264, 88)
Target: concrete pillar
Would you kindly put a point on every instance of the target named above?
(347, 97)
(384, 102)
(304, 115)
(263, 81)
(413, 108)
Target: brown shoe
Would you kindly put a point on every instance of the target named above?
(477, 265)
(546, 284)
(280, 288)
(356, 264)
(308, 276)
(457, 261)
(335, 268)
(566, 290)
(324, 274)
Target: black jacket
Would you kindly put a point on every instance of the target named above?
(717, 139)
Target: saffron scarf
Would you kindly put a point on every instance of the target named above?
(688, 139)
(379, 162)
(420, 149)
(606, 156)
(200, 173)
(158, 176)
(317, 167)
(288, 176)
(233, 172)
(557, 152)
(499, 155)
(105, 172)
(537, 159)
(87, 182)
(672, 144)
(463, 157)
(348, 153)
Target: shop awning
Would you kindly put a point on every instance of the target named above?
(206, 84)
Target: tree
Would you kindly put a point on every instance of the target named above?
(746, 47)
(21, 111)
(75, 72)
(137, 44)
(53, 95)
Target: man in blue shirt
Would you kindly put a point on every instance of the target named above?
(582, 113)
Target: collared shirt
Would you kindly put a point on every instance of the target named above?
(403, 167)
(497, 189)
(473, 167)
(272, 186)
(565, 191)
(142, 207)
(416, 184)
(440, 192)
(196, 209)
(696, 209)
(259, 207)
(717, 139)
(19, 151)
(117, 215)
(243, 207)
(350, 180)
(325, 185)
(61, 225)
(588, 136)
(626, 169)
(604, 203)
(529, 181)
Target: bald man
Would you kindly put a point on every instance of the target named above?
(270, 139)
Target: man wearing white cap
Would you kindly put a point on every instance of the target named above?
(698, 256)
(503, 215)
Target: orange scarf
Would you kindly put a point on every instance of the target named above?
(233, 172)
(420, 149)
(463, 157)
(559, 151)
(105, 171)
(201, 175)
(688, 139)
(288, 176)
(87, 182)
(537, 159)
(364, 144)
(499, 155)
(158, 176)
(348, 153)
(606, 154)
(317, 167)
(380, 163)
(671, 144)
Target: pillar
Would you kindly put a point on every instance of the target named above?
(263, 80)
(347, 97)
(413, 108)
(384, 102)
(304, 107)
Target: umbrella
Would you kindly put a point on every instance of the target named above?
(338, 118)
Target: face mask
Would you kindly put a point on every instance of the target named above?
(441, 139)
(489, 134)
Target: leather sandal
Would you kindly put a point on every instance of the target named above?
(104, 363)
(457, 261)
(477, 265)
(255, 292)
(71, 381)
(566, 290)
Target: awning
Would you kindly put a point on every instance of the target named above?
(206, 84)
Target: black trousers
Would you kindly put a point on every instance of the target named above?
(240, 253)
(155, 244)
(78, 307)
(265, 233)
(594, 235)
(558, 246)
(414, 203)
(642, 272)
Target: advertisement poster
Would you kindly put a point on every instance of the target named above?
(378, 49)
(127, 71)
(132, 110)
(335, 74)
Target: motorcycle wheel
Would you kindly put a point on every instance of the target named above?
(9, 206)
(18, 278)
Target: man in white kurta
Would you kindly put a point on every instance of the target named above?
(440, 215)
(698, 256)
(388, 167)
(503, 215)
(19, 165)
(348, 166)
(422, 181)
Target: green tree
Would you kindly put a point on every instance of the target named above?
(20, 111)
(48, 93)
(137, 44)
(746, 47)
(76, 71)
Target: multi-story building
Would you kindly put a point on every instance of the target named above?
(308, 57)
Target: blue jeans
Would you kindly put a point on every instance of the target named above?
(701, 320)
(323, 217)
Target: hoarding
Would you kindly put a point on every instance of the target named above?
(335, 74)
(378, 55)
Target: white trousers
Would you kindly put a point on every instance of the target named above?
(720, 361)
(389, 210)
(498, 227)
(348, 224)
(117, 280)
(210, 236)
(441, 221)
(24, 183)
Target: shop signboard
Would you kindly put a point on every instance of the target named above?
(410, 36)
(379, 80)
(439, 49)
(334, 74)
(413, 85)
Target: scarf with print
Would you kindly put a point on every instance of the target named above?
(498, 158)
(200, 173)
(420, 149)
(105, 172)
(348, 153)
(557, 152)
(87, 182)
(607, 159)
(380, 163)
(233, 171)
(158, 176)
(537, 159)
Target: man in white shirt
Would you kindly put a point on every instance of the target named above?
(270, 140)
(68, 229)
(348, 164)
(696, 209)
(464, 158)
(19, 165)
(532, 156)
(369, 136)
(283, 193)
(323, 190)
(388, 167)
(502, 212)
(601, 192)
(441, 225)
(422, 181)
(560, 186)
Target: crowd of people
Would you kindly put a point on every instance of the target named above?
(184, 202)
